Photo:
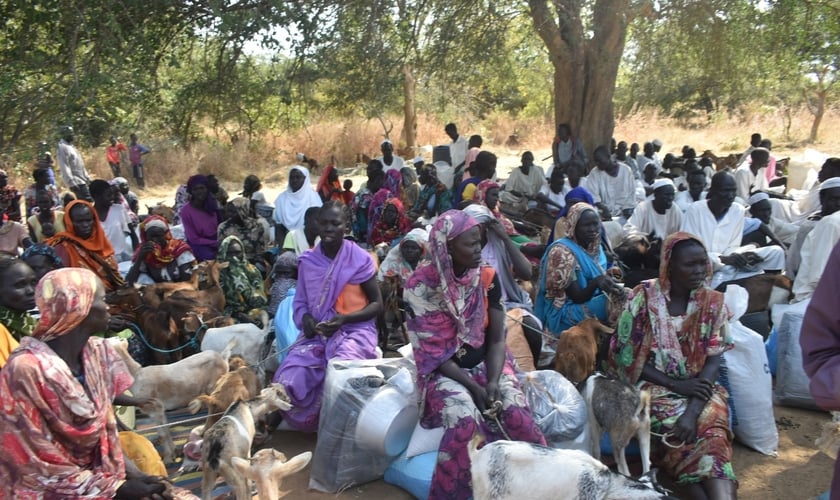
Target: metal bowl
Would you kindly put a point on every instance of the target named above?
(386, 422)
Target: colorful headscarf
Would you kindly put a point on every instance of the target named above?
(578, 193)
(243, 208)
(463, 296)
(241, 281)
(210, 205)
(326, 189)
(480, 196)
(667, 254)
(161, 257)
(395, 264)
(382, 232)
(64, 297)
(573, 217)
(45, 250)
(94, 253)
(393, 182)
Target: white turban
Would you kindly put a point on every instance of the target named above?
(757, 197)
(830, 183)
(662, 182)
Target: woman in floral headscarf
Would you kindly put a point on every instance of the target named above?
(670, 338)
(160, 257)
(250, 231)
(391, 188)
(241, 281)
(574, 284)
(392, 224)
(57, 425)
(463, 367)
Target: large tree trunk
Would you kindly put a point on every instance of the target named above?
(585, 66)
(819, 111)
(409, 107)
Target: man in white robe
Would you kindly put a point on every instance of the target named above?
(458, 146)
(658, 216)
(695, 192)
(612, 184)
(720, 225)
(750, 176)
(389, 161)
(830, 203)
(524, 184)
(814, 256)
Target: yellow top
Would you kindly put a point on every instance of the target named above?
(468, 193)
(7, 344)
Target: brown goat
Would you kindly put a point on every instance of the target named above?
(577, 350)
(241, 384)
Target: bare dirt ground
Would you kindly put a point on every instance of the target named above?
(799, 471)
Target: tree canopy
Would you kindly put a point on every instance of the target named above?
(188, 68)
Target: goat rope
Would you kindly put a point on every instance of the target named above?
(191, 342)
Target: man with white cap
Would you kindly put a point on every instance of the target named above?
(814, 255)
(830, 204)
(750, 177)
(657, 147)
(762, 211)
(696, 180)
(389, 161)
(719, 223)
(761, 226)
(658, 216)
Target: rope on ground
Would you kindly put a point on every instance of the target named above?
(180, 422)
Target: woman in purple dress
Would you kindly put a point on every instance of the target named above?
(464, 371)
(200, 218)
(336, 303)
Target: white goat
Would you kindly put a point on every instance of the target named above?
(624, 412)
(173, 386)
(232, 436)
(268, 467)
(250, 339)
(513, 470)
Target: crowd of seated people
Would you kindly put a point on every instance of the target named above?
(322, 258)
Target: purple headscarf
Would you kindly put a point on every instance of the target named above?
(210, 204)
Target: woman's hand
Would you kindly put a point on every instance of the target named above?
(328, 328)
(479, 395)
(685, 430)
(699, 388)
(493, 394)
(147, 247)
(496, 227)
(154, 487)
(309, 326)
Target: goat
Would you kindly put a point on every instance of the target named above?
(267, 468)
(577, 350)
(207, 288)
(506, 470)
(238, 385)
(232, 436)
(173, 386)
(158, 326)
(250, 339)
(624, 412)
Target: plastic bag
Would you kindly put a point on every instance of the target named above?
(558, 407)
(368, 413)
(792, 383)
(751, 386)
